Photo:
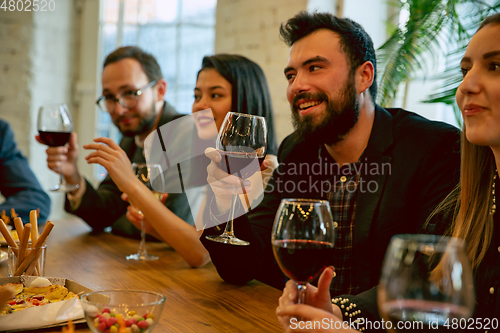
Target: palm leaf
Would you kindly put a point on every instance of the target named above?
(452, 77)
(402, 54)
(431, 24)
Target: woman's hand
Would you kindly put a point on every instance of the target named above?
(312, 320)
(114, 159)
(223, 184)
(318, 300)
(136, 217)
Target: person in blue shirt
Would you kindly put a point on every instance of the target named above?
(18, 184)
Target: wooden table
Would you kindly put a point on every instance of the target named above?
(197, 300)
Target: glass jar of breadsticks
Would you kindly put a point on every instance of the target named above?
(28, 256)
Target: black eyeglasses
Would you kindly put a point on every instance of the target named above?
(127, 100)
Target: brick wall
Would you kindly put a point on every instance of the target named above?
(16, 36)
(251, 28)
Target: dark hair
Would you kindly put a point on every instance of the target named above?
(148, 62)
(354, 41)
(495, 18)
(250, 92)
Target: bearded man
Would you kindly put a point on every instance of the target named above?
(382, 170)
(133, 92)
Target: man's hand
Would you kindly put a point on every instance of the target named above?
(63, 159)
(223, 184)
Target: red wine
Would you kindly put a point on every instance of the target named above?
(302, 260)
(424, 316)
(54, 139)
(235, 163)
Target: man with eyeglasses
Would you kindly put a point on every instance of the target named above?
(133, 91)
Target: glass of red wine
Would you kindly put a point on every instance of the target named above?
(55, 126)
(426, 284)
(303, 237)
(242, 143)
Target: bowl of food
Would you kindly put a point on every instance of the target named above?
(132, 310)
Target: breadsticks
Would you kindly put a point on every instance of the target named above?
(35, 250)
(27, 255)
(8, 237)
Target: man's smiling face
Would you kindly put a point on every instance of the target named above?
(321, 88)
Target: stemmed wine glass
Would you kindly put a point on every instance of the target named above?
(55, 126)
(150, 175)
(303, 237)
(426, 283)
(242, 142)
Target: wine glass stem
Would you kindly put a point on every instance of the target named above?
(301, 298)
(229, 225)
(142, 245)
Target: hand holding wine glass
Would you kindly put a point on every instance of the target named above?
(318, 297)
(241, 148)
(426, 280)
(136, 217)
(148, 174)
(55, 127)
(303, 237)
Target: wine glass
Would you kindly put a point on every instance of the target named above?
(55, 126)
(150, 175)
(303, 237)
(426, 283)
(242, 143)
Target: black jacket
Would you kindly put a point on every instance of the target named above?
(420, 160)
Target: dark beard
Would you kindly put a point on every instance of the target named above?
(340, 117)
(145, 123)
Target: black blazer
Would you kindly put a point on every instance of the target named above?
(18, 184)
(420, 160)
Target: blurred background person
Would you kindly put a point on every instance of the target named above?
(18, 184)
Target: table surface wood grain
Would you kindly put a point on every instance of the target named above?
(197, 300)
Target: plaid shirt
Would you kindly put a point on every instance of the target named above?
(342, 198)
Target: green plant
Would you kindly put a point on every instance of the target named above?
(434, 29)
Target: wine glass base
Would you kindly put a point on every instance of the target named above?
(228, 239)
(143, 257)
(64, 188)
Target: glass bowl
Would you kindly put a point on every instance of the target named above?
(108, 310)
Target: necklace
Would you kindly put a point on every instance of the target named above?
(493, 205)
(305, 214)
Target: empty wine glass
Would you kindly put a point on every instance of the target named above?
(242, 142)
(55, 126)
(426, 283)
(150, 175)
(303, 237)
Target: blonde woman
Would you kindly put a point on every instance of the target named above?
(476, 219)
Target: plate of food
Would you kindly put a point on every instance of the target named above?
(41, 302)
(3, 242)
